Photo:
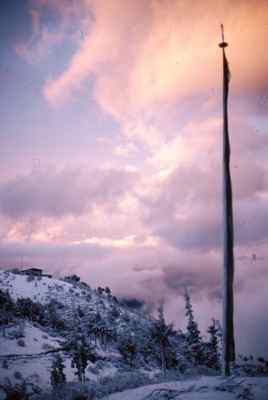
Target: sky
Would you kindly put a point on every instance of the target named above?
(111, 149)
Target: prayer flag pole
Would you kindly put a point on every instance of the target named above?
(228, 239)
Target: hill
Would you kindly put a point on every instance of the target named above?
(66, 310)
(62, 330)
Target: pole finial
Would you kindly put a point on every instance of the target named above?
(223, 43)
(222, 32)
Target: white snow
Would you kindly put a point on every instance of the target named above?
(203, 388)
(44, 289)
(36, 341)
(37, 289)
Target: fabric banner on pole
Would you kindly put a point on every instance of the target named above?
(228, 240)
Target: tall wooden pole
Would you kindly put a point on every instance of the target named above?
(228, 240)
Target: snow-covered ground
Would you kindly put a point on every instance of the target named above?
(37, 369)
(39, 289)
(204, 388)
(23, 338)
(71, 296)
(35, 340)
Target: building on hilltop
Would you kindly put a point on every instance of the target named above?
(32, 271)
(35, 272)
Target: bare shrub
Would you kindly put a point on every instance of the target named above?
(21, 343)
(17, 375)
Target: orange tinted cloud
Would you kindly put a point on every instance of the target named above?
(146, 53)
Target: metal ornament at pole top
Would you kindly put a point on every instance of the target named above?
(223, 44)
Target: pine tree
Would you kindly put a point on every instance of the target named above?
(220, 340)
(161, 333)
(7, 307)
(57, 375)
(127, 347)
(194, 341)
(213, 357)
(82, 353)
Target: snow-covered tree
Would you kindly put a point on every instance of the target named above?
(82, 353)
(27, 308)
(7, 307)
(57, 375)
(161, 333)
(213, 356)
(194, 341)
(127, 346)
(53, 315)
(108, 291)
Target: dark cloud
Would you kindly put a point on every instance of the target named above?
(201, 277)
(201, 273)
(199, 233)
(197, 280)
(132, 302)
(66, 192)
(141, 268)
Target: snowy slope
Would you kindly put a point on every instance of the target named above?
(34, 340)
(71, 296)
(204, 388)
(38, 339)
(41, 290)
(27, 340)
(37, 368)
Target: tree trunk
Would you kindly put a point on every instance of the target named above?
(163, 358)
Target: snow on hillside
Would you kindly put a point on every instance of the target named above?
(70, 295)
(36, 339)
(25, 345)
(26, 339)
(204, 388)
(39, 289)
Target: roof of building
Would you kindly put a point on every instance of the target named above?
(32, 269)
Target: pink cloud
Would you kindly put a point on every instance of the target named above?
(145, 54)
